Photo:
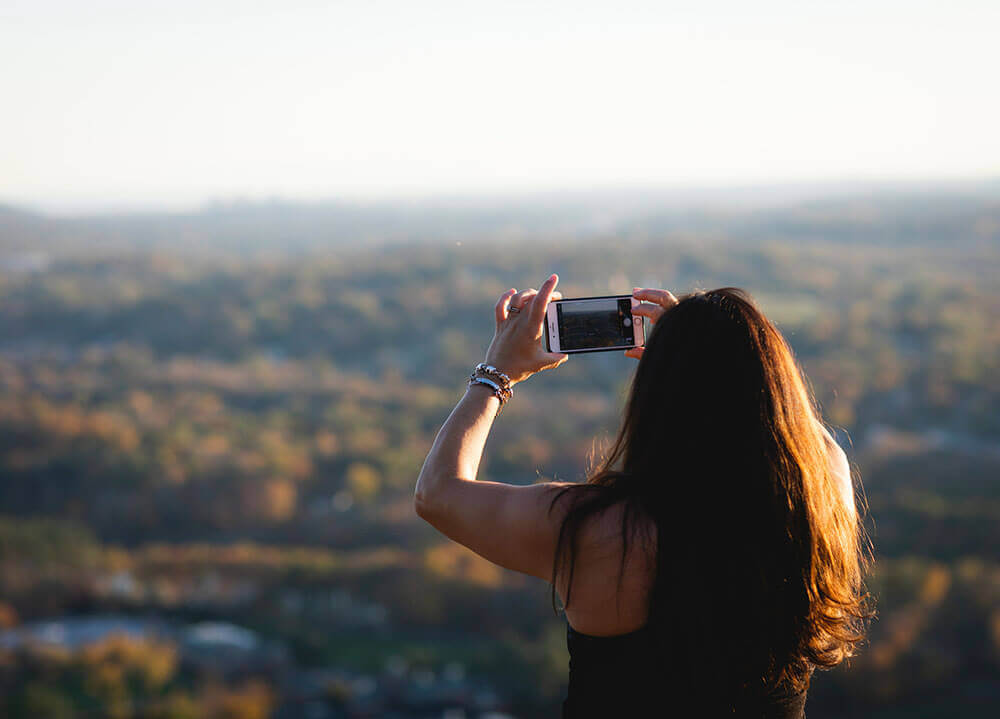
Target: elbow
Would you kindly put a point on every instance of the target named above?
(423, 505)
(431, 501)
(420, 505)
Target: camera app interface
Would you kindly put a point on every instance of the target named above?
(592, 324)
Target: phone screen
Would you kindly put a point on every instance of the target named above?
(595, 323)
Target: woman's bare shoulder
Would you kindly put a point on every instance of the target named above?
(841, 469)
(606, 535)
(601, 604)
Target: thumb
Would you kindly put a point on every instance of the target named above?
(554, 359)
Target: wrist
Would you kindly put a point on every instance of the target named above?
(493, 379)
(510, 376)
(476, 388)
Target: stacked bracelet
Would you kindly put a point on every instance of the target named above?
(493, 378)
(493, 373)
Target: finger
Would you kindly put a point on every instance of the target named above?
(541, 301)
(634, 352)
(521, 298)
(502, 304)
(557, 295)
(661, 297)
(653, 312)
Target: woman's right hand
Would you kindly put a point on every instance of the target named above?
(516, 349)
(654, 304)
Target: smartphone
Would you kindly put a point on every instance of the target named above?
(593, 324)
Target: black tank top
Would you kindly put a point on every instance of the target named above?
(618, 676)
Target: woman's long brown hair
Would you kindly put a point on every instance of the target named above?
(760, 549)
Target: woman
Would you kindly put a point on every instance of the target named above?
(715, 558)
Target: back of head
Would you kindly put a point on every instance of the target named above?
(759, 554)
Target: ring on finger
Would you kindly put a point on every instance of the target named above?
(513, 310)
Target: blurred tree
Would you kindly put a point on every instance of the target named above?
(363, 481)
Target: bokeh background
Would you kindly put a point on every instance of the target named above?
(248, 255)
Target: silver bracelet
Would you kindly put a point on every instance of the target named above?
(498, 391)
(494, 372)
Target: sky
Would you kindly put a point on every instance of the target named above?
(120, 104)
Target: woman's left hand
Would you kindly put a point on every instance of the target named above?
(516, 349)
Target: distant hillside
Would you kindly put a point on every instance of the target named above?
(22, 230)
(967, 214)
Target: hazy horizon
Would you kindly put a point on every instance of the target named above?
(720, 196)
(120, 106)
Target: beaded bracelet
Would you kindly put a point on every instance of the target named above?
(497, 390)
(503, 393)
(494, 379)
(493, 373)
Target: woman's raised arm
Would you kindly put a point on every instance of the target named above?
(507, 524)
